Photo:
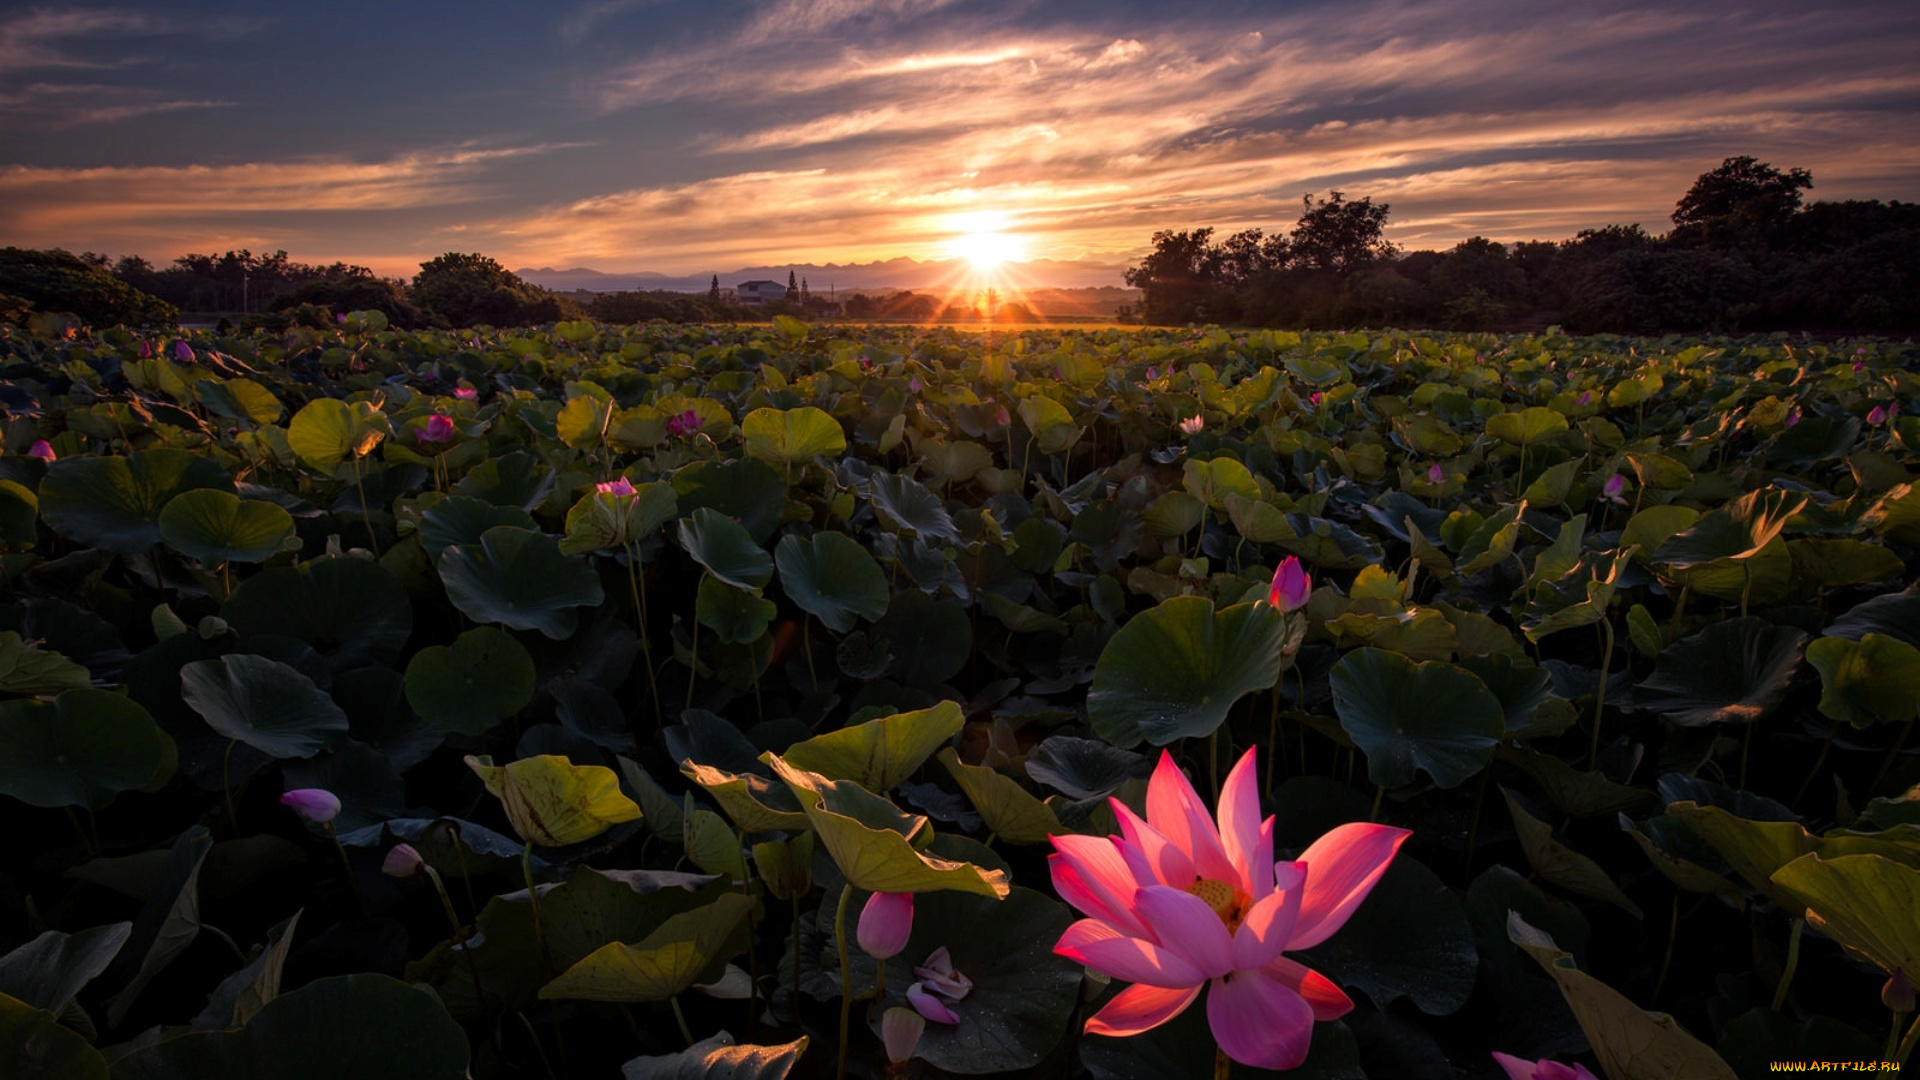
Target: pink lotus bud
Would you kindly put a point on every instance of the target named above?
(1150, 373)
(1877, 415)
(317, 805)
(1585, 399)
(146, 349)
(900, 1030)
(885, 924)
(439, 429)
(1858, 367)
(1436, 474)
(1613, 487)
(1314, 398)
(340, 317)
(1192, 425)
(1002, 417)
(914, 385)
(938, 975)
(1793, 417)
(42, 449)
(929, 1006)
(402, 862)
(622, 486)
(182, 351)
(1291, 585)
(465, 393)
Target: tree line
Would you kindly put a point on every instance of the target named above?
(1745, 254)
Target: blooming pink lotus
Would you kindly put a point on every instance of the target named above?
(439, 429)
(42, 449)
(621, 487)
(466, 393)
(1176, 903)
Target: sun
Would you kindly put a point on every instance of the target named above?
(983, 241)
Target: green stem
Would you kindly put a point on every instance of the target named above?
(1793, 961)
(1893, 1038)
(1833, 729)
(636, 585)
(1213, 763)
(1222, 1064)
(1907, 1043)
(794, 1001)
(533, 898)
(366, 518)
(1893, 754)
(346, 864)
(226, 785)
(1600, 699)
(1666, 962)
(681, 1018)
(846, 976)
(459, 932)
(1379, 795)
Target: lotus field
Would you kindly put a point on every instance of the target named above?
(788, 700)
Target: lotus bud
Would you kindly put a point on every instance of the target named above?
(466, 393)
(1002, 417)
(1291, 585)
(1897, 994)
(914, 385)
(621, 487)
(1585, 399)
(885, 924)
(402, 862)
(1436, 474)
(182, 352)
(42, 449)
(439, 429)
(317, 805)
(1793, 418)
(929, 1006)
(1877, 415)
(1314, 398)
(1192, 425)
(146, 349)
(900, 1030)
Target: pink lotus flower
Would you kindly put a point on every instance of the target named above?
(1877, 415)
(622, 486)
(439, 429)
(317, 805)
(1150, 373)
(403, 861)
(1436, 474)
(1612, 489)
(885, 923)
(1291, 585)
(1176, 903)
(42, 449)
(1002, 417)
(466, 393)
(1793, 418)
(929, 1006)
(1585, 399)
(1193, 425)
(685, 423)
(1314, 398)
(146, 349)
(182, 352)
(939, 975)
(1543, 1069)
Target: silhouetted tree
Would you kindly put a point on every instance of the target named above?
(61, 281)
(1339, 235)
(1176, 280)
(1749, 192)
(465, 290)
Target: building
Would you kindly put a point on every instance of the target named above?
(756, 293)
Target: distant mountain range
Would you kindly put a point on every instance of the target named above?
(901, 273)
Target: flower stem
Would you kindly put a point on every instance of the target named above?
(846, 976)
(1793, 961)
(1907, 1043)
(347, 865)
(1222, 1064)
(681, 1018)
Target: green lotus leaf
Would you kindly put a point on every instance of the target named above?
(370, 1027)
(746, 490)
(869, 839)
(239, 399)
(931, 639)
(831, 577)
(1893, 614)
(519, 578)
(786, 437)
(354, 613)
(1174, 513)
(1630, 1043)
(1212, 481)
(264, 703)
(660, 965)
(1759, 1038)
(1320, 542)
(1493, 541)
(51, 970)
(1409, 715)
(739, 616)
(952, 462)
(1010, 811)
(34, 1044)
(115, 503)
(726, 549)
(1868, 903)
(717, 1058)
(461, 519)
(1735, 671)
(19, 515)
(327, 431)
(1560, 864)
(1084, 768)
(1738, 530)
(215, 526)
(516, 478)
(35, 672)
(1175, 670)
(711, 845)
(1832, 564)
(755, 803)
(1053, 427)
(908, 505)
(584, 421)
(1655, 525)
(879, 754)
(481, 679)
(1875, 680)
(169, 921)
(80, 749)
(1756, 850)
(1526, 427)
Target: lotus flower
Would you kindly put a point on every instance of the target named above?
(885, 923)
(1793, 418)
(42, 449)
(930, 1006)
(622, 486)
(183, 352)
(1291, 585)
(1436, 474)
(317, 805)
(1543, 1069)
(1182, 901)
(1612, 490)
(1877, 415)
(685, 423)
(466, 393)
(1192, 425)
(1585, 399)
(439, 429)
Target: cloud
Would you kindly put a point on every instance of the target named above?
(33, 38)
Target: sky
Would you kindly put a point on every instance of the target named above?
(682, 138)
